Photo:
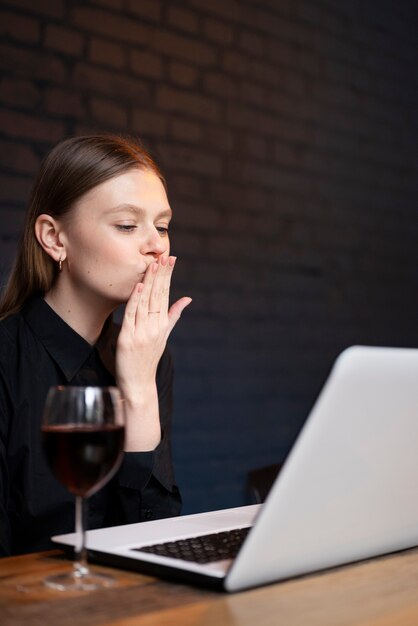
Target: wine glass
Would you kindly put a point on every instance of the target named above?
(83, 434)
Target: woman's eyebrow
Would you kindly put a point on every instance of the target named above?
(133, 208)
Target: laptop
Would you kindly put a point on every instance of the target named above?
(348, 491)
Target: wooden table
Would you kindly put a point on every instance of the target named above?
(379, 592)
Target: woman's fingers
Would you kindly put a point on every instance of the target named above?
(143, 305)
(158, 302)
(157, 286)
(165, 296)
(175, 312)
(131, 307)
(150, 299)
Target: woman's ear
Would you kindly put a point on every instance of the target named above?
(48, 235)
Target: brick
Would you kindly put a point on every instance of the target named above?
(210, 218)
(290, 30)
(108, 112)
(271, 125)
(231, 10)
(261, 201)
(224, 193)
(270, 176)
(192, 104)
(293, 83)
(64, 40)
(284, 7)
(18, 158)
(90, 127)
(145, 63)
(31, 63)
(148, 9)
(308, 61)
(218, 84)
(335, 23)
(235, 63)
(12, 223)
(16, 124)
(252, 43)
(110, 4)
(231, 272)
(21, 93)
(109, 83)
(54, 9)
(185, 48)
(14, 189)
(106, 53)
(192, 386)
(253, 145)
(189, 245)
(182, 74)
(282, 52)
(241, 116)
(149, 123)
(290, 155)
(219, 138)
(185, 186)
(264, 73)
(223, 246)
(64, 102)
(110, 24)
(183, 19)
(309, 12)
(218, 32)
(7, 254)
(338, 48)
(190, 159)
(335, 94)
(254, 94)
(185, 130)
(19, 27)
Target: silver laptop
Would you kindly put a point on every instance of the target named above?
(347, 491)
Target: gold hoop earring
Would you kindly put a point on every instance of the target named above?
(60, 265)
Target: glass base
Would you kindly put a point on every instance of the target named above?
(72, 581)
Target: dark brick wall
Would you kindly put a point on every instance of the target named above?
(287, 133)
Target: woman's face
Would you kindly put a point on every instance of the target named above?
(114, 232)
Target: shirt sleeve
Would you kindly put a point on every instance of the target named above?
(5, 537)
(145, 482)
(5, 531)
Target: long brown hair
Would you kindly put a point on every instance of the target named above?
(68, 171)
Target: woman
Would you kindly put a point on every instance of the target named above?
(95, 236)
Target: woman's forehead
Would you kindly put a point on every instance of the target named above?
(136, 191)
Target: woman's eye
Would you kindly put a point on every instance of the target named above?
(125, 228)
(163, 230)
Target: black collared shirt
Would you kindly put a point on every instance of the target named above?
(38, 350)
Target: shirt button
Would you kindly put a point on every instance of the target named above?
(148, 514)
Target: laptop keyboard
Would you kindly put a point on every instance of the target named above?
(202, 549)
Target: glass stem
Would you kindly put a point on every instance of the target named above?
(80, 565)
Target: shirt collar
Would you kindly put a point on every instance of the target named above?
(66, 347)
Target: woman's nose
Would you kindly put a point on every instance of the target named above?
(154, 244)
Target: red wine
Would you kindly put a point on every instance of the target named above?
(83, 458)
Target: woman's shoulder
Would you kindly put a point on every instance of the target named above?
(11, 332)
(10, 327)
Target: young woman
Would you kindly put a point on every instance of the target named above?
(95, 236)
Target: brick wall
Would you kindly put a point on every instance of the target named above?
(286, 131)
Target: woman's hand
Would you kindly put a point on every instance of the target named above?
(147, 323)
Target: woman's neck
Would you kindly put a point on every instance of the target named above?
(86, 316)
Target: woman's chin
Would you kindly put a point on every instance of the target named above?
(118, 298)
(123, 292)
